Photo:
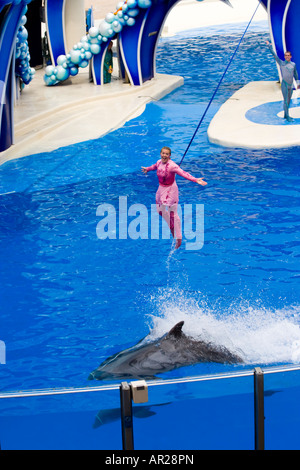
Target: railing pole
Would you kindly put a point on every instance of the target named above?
(126, 416)
(259, 415)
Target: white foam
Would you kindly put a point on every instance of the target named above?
(260, 335)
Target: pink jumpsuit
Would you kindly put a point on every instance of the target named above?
(167, 194)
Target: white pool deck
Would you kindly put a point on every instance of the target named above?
(232, 125)
(47, 118)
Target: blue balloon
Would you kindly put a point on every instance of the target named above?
(130, 22)
(144, 3)
(73, 71)
(47, 80)
(132, 3)
(23, 34)
(133, 12)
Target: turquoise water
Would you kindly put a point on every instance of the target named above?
(69, 300)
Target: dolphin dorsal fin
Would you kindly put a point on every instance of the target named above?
(176, 330)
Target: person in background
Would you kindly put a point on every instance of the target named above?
(289, 73)
(108, 64)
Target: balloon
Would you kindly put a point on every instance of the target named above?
(49, 70)
(94, 40)
(62, 73)
(95, 49)
(130, 22)
(93, 31)
(117, 27)
(61, 59)
(75, 56)
(109, 17)
(23, 34)
(47, 80)
(105, 29)
(133, 12)
(73, 71)
(144, 3)
(132, 3)
(88, 55)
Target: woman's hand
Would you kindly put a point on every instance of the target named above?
(144, 170)
(201, 181)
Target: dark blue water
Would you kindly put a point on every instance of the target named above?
(68, 299)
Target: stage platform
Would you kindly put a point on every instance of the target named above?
(76, 110)
(253, 118)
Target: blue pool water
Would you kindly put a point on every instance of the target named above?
(69, 300)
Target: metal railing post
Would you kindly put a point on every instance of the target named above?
(126, 416)
(259, 415)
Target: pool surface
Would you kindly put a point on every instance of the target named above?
(69, 299)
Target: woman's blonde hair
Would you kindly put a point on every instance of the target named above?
(166, 148)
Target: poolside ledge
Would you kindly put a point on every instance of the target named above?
(253, 118)
(47, 118)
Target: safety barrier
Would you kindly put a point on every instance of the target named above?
(245, 409)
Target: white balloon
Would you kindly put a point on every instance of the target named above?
(75, 56)
(49, 70)
(130, 22)
(93, 31)
(95, 49)
(110, 17)
(62, 73)
(117, 26)
(132, 3)
(61, 59)
(133, 12)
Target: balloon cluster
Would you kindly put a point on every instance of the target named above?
(23, 69)
(89, 45)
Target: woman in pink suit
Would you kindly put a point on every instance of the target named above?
(167, 196)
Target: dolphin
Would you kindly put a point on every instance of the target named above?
(114, 414)
(173, 350)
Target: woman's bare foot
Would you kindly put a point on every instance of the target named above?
(178, 243)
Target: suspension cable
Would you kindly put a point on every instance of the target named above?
(220, 81)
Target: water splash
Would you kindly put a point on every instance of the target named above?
(261, 335)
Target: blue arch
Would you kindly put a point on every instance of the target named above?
(292, 31)
(8, 31)
(284, 27)
(138, 42)
(54, 12)
(276, 15)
